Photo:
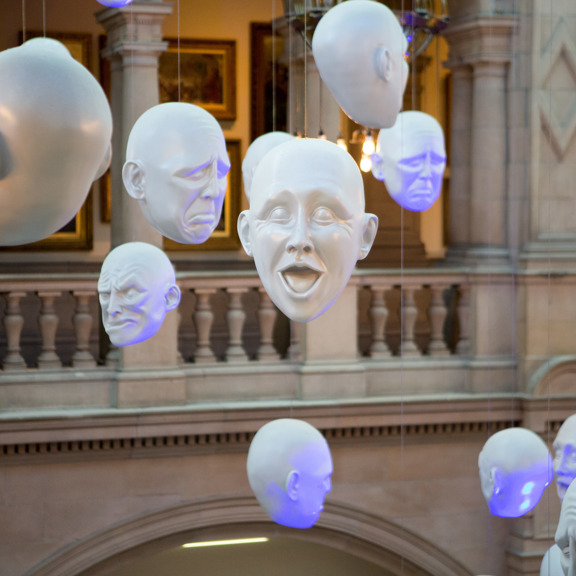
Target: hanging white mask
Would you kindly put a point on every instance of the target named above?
(55, 130)
(515, 468)
(565, 456)
(566, 532)
(176, 167)
(289, 468)
(306, 226)
(137, 287)
(359, 49)
(411, 158)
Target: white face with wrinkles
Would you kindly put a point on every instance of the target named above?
(306, 223)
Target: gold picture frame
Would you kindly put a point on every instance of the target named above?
(207, 75)
(225, 237)
(78, 233)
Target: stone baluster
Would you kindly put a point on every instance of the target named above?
(235, 318)
(48, 322)
(13, 323)
(437, 316)
(294, 350)
(378, 316)
(203, 318)
(82, 327)
(463, 346)
(408, 319)
(267, 314)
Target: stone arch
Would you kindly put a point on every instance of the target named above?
(554, 377)
(369, 536)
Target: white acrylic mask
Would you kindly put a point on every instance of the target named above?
(552, 562)
(137, 287)
(565, 455)
(515, 468)
(176, 167)
(55, 131)
(411, 158)
(289, 468)
(306, 226)
(115, 3)
(566, 533)
(359, 50)
(256, 151)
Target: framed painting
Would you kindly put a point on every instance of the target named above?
(76, 234)
(269, 81)
(207, 75)
(225, 236)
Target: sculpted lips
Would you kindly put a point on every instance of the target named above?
(300, 279)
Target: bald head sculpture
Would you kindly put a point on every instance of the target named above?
(137, 287)
(359, 50)
(565, 455)
(566, 532)
(306, 226)
(176, 167)
(55, 131)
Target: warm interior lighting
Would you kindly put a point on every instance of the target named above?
(321, 135)
(342, 143)
(224, 542)
(365, 163)
(368, 147)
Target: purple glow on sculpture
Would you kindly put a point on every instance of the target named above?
(115, 3)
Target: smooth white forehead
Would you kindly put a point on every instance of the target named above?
(171, 127)
(308, 164)
(138, 256)
(567, 432)
(411, 127)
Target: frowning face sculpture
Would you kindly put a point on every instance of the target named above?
(137, 287)
(306, 226)
(176, 167)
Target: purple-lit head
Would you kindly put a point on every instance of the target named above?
(566, 532)
(137, 287)
(515, 468)
(289, 469)
(565, 455)
(115, 3)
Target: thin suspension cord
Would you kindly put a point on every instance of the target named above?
(274, 80)
(178, 48)
(305, 72)
(44, 17)
(23, 21)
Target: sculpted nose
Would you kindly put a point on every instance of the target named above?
(299, 241)
(114, 306)
(427, 167)
(212, 189)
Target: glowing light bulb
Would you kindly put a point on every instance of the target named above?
(365, 163)
(115, 3)
(342, 143)
(368, 147)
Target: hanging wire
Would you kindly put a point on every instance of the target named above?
(23, 21)
(274, 79)
(178, 48)
(305, 71)
(44, 17)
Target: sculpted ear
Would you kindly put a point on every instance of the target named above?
(377, 166)
(173, 296)
(244, 231)
(105, 164)
(369, 229)
(383, 62)
(292, 485)
(134, 179)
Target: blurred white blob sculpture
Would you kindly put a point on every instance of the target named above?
(359, 50)
(552, 562)
(289, 469)
(411, 158)
(256, 151)
(115, 3)
(515, 468)
(55, 130)
(137, 287)
(566, 533)
(306, 226)
(565, 456)
(176, 167)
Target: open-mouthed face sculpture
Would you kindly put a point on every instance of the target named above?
(411, 158)
(306, 226)
(359, 50)
(55, 130)
(289, 468)
(565, 456)
(566, 532)
(515, 468)
(176, 167)
(256, 151)
(137, 287)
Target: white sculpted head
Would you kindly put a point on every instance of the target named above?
(256, 151)
(289, 469)
(515, 468)
(411, 158)
(359, 50)
(176, 167)
(137, 287)
(115, 3)
(306, 226)
(566, 532)
(565, 456)
(552, 562)
(55, 130)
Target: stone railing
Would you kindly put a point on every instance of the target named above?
(52, 321)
